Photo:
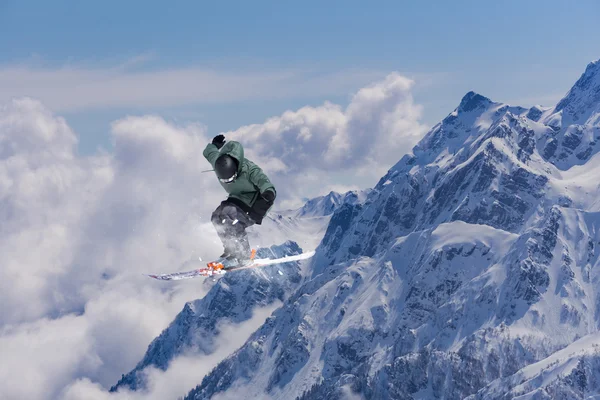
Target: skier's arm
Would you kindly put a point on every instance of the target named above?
(261, 181)
(267, 194)
(211, 152)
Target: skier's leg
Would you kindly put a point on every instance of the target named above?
(237, 221)
(231, 222)
(221, 222)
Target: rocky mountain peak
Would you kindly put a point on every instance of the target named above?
(472, 101)
(583, 99)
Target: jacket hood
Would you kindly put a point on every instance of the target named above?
(235, 150)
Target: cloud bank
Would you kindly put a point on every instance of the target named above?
(75, 236)
(328, 144)
(184, 372)
(72, 88)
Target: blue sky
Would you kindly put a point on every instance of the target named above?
(512, 51)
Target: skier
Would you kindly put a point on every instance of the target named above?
(251, 195)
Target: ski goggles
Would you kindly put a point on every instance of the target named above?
(229, 180)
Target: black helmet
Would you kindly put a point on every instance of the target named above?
(226, 168)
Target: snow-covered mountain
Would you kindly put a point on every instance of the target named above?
(474, 258)
(570, 373)
(575, 122)
(471, 270)
(306, 225)
(326, 205)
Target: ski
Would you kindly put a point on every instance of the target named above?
(216, 268)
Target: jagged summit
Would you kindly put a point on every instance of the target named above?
(583, 100)
(326, 205)
(574, 122)
(471, 122)
(321, 206)
(473, 115)
(536, 112)
(472, 101)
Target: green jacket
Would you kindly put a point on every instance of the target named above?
(251, 180)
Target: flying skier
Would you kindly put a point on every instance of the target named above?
(251, 195)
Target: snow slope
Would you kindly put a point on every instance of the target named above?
(569, 373)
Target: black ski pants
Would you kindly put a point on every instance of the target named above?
(231, 222)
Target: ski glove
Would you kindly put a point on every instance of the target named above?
(219, 141)
(269, 196)
(262, 205)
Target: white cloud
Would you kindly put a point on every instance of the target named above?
(39, 212)
(81, 87)
(39, 358)
(77, 233)
(67, 221)
(309, 150)
(184, 372)
(348, 394)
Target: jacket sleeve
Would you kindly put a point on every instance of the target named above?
(260, 179)
(211, 153)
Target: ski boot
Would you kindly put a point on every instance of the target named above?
(243, 260)
(227, 260)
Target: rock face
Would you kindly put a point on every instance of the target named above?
(575, 122)
(469, 271)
